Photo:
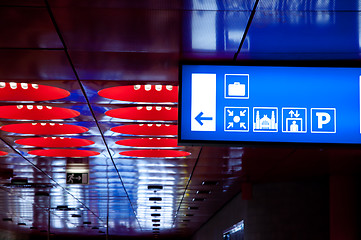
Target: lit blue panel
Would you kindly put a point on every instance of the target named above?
(215, 33)
(309, 5)
(270, 104)
(304, 35)
(234, 5)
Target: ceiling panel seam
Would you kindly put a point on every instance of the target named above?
(45, 209)
(48, 176)
(253, 12)
(186, 187)
(55, 25)
(90, 107)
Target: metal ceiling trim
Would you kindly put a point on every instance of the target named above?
(93, 114)
(185, 189)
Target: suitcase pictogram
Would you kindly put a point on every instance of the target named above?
(237, 89)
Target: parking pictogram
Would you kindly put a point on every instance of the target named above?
(323, 120)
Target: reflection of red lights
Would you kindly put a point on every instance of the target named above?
(142, 93)
(54, 142)
(30, 92)
(36, 112)
(43, 128)
(155, 153)
(3, 153)
(148, 142)
(63, 153)
(145, 113)
(147, 129)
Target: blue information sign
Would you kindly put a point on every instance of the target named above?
(270, 104)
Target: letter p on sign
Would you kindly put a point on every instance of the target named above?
(323, 120)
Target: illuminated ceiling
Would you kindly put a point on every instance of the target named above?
(90, 87)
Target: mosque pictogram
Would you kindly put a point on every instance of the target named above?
(265, 120)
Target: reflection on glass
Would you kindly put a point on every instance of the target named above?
(159, 174)
(298, 5)
(359, 27)
(214, 30)
(236, 232)
(203, 29)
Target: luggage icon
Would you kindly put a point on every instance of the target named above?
(237, 89)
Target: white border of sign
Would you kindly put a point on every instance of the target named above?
(303, 131)
(232, 130)
(225, 86)
(334, 117)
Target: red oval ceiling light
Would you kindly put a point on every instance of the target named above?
(142, 93)
(155, 153)
(44, 128)
(11, 91)
(145, 113)
(2, 153)
(149, 142)
(54, 142)
(63, 153)
(147, 129)
(36, 112)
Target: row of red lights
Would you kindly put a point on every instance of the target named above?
(39, 112)
(11, 91)
(152, 95)
(18, 92)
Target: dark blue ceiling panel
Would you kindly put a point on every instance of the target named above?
(27, 27)
(119, 29)
(158, 4)
(30, 64)
(136, 66)
(28, 3)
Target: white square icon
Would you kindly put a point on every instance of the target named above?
(265, 119)
(236, 86)
(294, 120)
(323, 120)
(236, 119)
